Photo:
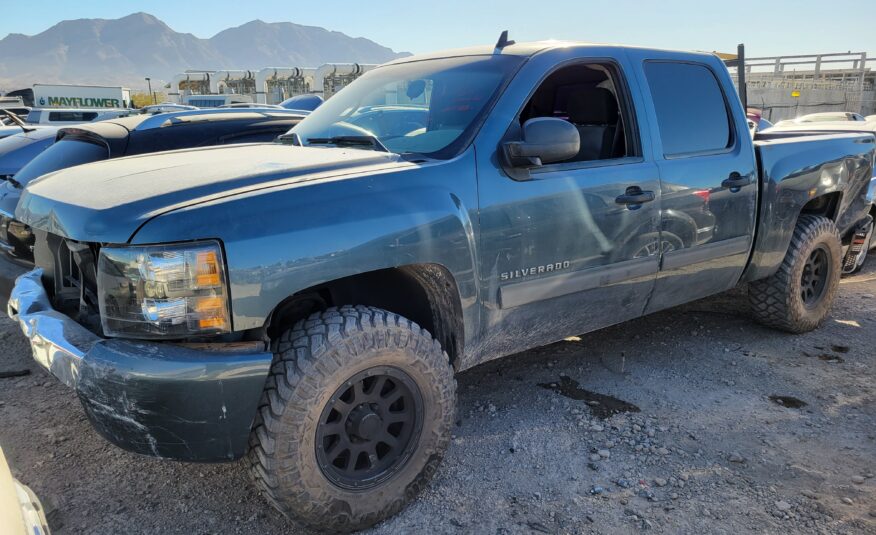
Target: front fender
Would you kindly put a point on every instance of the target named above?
(281, 240)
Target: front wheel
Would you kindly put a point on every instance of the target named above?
(798, 296)
(355, 418)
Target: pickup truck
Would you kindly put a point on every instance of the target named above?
(307, 304)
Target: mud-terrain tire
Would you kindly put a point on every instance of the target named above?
(320, 395)
(798, 296)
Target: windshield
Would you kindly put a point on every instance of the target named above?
(426, 108)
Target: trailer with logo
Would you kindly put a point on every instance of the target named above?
(80, 96)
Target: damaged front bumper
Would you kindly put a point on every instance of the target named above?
(154, 398)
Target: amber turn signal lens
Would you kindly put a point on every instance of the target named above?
(211, 312)
(207, 270)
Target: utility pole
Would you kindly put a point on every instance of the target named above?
(151, 94)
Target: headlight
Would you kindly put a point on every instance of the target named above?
(163, 291)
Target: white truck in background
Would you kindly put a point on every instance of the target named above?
(60, 104)
(13, 104)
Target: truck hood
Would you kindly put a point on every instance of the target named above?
(108, 201)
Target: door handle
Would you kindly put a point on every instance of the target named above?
(633, 197)
(735, 181)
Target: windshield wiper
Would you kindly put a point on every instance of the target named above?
(349, 141)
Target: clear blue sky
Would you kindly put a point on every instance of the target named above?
(767, 27)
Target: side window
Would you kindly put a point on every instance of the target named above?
(691, 110)
(592, 97)
(72, 116)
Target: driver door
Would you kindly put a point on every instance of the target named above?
(562, 253)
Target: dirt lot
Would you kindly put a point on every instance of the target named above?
(707, 442)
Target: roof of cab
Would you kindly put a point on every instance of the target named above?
(521, 49)
(526, 50)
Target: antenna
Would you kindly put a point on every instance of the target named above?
(17, 120)
(502, 42)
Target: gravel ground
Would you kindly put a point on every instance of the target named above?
(724, 427)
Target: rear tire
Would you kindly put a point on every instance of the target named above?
(798, 297)
(355, 418)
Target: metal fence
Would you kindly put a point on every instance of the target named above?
(787, 86)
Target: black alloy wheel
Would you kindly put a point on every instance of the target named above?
(369, 428)
(354, 419)
(816, 273)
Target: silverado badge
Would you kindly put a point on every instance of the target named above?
(534, 270)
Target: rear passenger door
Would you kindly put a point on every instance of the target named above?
(707, 174)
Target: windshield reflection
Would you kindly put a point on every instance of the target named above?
(429, 108)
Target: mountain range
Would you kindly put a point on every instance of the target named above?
(124, 51)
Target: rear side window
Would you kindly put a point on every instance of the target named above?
(63, 154)
(691, 110)
(83, 116)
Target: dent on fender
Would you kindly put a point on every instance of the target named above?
(795, 171)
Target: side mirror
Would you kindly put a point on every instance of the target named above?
(545, 140)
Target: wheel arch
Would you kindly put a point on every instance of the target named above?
(426, 294)
(825, 205)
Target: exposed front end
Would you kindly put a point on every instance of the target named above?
(137, 333)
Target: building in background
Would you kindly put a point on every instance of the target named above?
(785, 87)
(271, 85)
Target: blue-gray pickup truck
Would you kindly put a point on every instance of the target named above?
(305, 304)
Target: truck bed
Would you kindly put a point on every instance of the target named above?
(795, 167)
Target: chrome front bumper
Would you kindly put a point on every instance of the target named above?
(58, 343)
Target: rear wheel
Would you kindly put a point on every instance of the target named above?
(798, 296)
(355, 418)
